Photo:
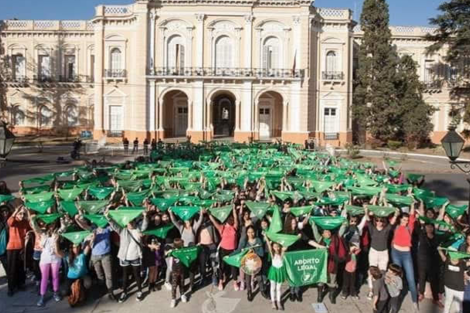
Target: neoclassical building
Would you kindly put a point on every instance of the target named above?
(260, 69)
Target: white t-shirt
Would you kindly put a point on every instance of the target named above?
(48, 255)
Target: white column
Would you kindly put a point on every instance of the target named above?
(152, 105)
(161, 103)
(297, 47)
(200, 41)
(246, 107)
(248, 53)
(153, 15)
(285, 110)
(295, 119)
(198, 106)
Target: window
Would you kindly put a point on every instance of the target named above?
(116, 60)
(331, 66)
(428, 71)
(175, 54)
(19, 67)
(44, 67)
(92, 68)
(17, 116)
(45, 116)
(331, 123)
(69, 67)
(271, 59)
(223, 53)
(115, 118)
(71, 115)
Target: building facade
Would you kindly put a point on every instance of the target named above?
(247, 69)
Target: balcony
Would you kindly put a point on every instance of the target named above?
(434, 86)
(332, 76)
(210, 72)
(330, 136)
(114, 133)
(115, 75)
(69, 79)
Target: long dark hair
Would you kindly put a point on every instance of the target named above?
(72, 255)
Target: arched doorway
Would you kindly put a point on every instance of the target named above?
(175, 117)
(223, 115)
(270, 115)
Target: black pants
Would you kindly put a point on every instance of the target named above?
(125, 277)
(15, 273)
(428, 272)
(381, 307)
(393, 304)
(3, 261)
(177, 280)
(349, 284)
(204, 257)
(224, 267)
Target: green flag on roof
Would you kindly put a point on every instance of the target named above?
(40, 207)
(381, 211)
(455, 211)
(164, 204)
(302, 210)
(69, 207)
(160, 232)
(354, 210)
(258, 209)
(39, 197)
(49, 218)
(94, 206)
(276, 221)
(235, 258)
(69, 194)
(76, 237)
(124, 217)
(97, 219)
(328, 222)
(100, 193)
(284, 240)
(222, 213)
(186, 255)
(185, 212)
(399, 200)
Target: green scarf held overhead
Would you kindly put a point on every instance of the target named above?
(39, 197)
(364, 180)
(76, 237)
(321, 186)
(6, 198)
(137, 198)
(434, 202)
(396, 188)
(204, 203)
(97, 219)
(185, 212)
(124, 217)
(100, 193)
(393, 174)
(284, 240)
(93, 207)
(186, 255)
(455, 211)
(49, 218)
(309, 195)
(338, 201)
(328, 222)
(456, 255)
(399, 200)
(365, 191)
(223, 197)
(130, 185)
(163, 204)
(276, 222)
(39, 180)
(188, 200)
(436, 222)
(393, 163)
(302, 210)
(69, 207)
(64, 174)
(69, 194)
(258, 209)
(414, 177)
(204, 194)
(35, 190)
(354, 210)
(422, 193)
(222, 213)
(284, 195)
(381, 211)
(160, 232)
(235, 258)
(40, 207)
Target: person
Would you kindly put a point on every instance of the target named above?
(4, 215)
(151, 260)
(277, 274)
(125, 143)
(135, 149)
(18, 227)
(394, 285)
(454, 280)
(130, 253)
(77, 274)
(77, 145)
(207, 239)
(177, 274)
(380, 295)
(349, 274)
(146, 146)
(153, 144)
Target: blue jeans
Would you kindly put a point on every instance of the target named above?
(403, 258)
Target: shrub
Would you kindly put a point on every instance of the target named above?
(352, 151)
(375, 143)
(394, 145)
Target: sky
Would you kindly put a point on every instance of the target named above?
(402, 12)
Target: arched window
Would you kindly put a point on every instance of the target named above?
(224, 53)
(116, 60)
(45, 116)
(271, 55)
(71, 115)
(17, 116)
(331, 66)
(175, 54)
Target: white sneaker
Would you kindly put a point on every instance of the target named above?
(184, 299)
(172, 303)
(168, 286)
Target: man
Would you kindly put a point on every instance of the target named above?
(125, 143)
(146, 146)
(18, 228)
(135, 149)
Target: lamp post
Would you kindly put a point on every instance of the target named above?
(453, 144)
(6, 141)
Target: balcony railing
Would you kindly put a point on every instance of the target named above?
(16, 79)
(115, 73)
(332, 75)
(433, 85)
(331, 136)
(258, 73)
(114, 133)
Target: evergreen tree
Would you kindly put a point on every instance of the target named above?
(415, 113)
(375, 105)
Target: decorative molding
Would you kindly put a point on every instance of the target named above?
(296, 19)
(200, 17)
(248, 18)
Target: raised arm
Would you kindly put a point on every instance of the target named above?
(198, 223)
(316, 233)
(81, 222)
(441, 254)
(216, 224)
(115, 226)
(393, 221)
(178, 224)
(145, 222)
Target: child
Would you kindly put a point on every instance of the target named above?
(277, 273)
(177, 274)
(454, 280)
(349, 274)
(394, 285)
(379, 293)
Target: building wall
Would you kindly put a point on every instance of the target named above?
(167, 71)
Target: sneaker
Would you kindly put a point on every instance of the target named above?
(355, 298)
(184, 299)
(56, 297)
(274, 306)
(168, 286)
(344, 297)
(242, 286)
(40, 302)
(172, 303)
(235, 286)
(123, 297)
(370, 295)
(415, 307)
(140, 296)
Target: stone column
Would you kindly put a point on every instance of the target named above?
(99, 128)
(200, 41)
(152, 106)
(248, 41)
(160, 129)
(285, 110)
(153, 15)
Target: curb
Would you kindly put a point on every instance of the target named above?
(404, 154)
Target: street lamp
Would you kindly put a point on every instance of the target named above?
(453, 144)
(6, 140)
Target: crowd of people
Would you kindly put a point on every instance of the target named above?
(173, 220)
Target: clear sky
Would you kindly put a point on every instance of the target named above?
(402, 12)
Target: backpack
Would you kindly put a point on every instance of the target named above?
(3, 241)
(77, 294)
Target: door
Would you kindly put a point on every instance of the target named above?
(265, 122)
(181, 121)
(331, 123)
(115, 119)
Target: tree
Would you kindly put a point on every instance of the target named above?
(415, 113)
(375, 105)
(453, 33)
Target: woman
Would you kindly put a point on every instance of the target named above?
(207, 239)
(4, 215)
(77, 264)
(254, 244)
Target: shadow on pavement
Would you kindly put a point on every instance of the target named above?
(445, 188)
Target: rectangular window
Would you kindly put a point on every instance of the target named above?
(92, 68)
(429, 70)
(44, 67)
(69, 67)
(19, 67)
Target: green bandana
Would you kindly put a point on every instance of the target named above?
(414, 177)
(354, 210)
(160, 232)
(436, 222)
(39, 180)
(186, 255)
(34, 190)
(455, 255)
(69, 194)
(100, 193)
(299, 211)
(185, 212)
(221, 214)
(381, 211)
(124, 217)
(40, 207)
(39, 197)
(49, 218)
(6, 198)
(282, 239)
(77, 237)
(284, 195)
(328, 222)
(399, 200)
(435, 202)
(164, 204)
(455, 211)
(98, 220)
(137, 198)
(235, 258)
(365, 191)
(276, 222)
(69, 207)
(93, 207)
(257, 208)
(204, 203)
(321, 186)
